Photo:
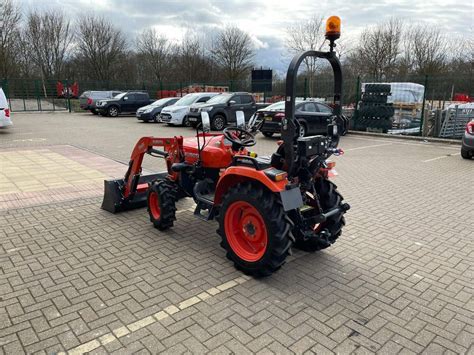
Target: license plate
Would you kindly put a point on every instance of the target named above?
(192, 119)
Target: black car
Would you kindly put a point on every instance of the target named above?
(127, 102)
(222, 109)
(152, 112)
(313, 116)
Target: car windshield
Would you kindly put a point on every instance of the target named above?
(119, 96)
(219, 99)
(160, 102)
(187, 100)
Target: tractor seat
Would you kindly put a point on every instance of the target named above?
(259, 163)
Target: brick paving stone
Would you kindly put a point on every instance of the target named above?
(399, 279)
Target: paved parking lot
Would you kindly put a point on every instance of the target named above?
(76, 278)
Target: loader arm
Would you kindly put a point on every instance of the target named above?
(130, 192)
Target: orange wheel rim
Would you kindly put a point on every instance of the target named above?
(154, 205)
(246, 231)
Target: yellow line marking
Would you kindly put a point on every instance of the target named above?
(157, 317)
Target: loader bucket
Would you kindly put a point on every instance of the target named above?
(114, 201)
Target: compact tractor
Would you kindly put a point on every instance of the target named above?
(264, 205)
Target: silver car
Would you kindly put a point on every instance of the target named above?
(467, 147)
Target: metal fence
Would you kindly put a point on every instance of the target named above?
(405, 105)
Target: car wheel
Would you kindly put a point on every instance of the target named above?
(465, 153)
(218, 123)
(155, 117)
(186, 122)
(113, 111)
(268, 134)
(302, 130)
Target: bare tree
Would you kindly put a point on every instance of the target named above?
(190, 58)
(49, 39)
(233, 51)
(101, 46)
(304, 36)
(10, 17)
(379, 49)
(155, 50)
(425, 50)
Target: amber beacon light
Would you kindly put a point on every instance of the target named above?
(333, 28)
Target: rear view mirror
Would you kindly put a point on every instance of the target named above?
(231, 102)
(206, 122)
(125, 98)
(240, 119)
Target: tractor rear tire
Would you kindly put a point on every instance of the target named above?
(161, 206)
(329, 198)
(254, 229)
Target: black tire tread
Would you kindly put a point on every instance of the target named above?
(329, 198)
(280, 240)
(167, 199)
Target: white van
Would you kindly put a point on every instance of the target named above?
(5, 120)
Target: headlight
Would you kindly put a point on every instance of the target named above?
(206, 109)
(148, 110)
(101, 103)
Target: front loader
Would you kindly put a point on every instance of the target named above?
(264, 205)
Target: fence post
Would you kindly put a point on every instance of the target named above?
(68, 96)
(357, 98)
(423, 107)
(38, 98)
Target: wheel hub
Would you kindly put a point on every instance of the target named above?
(246, 231)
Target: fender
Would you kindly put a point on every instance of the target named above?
(238, 174)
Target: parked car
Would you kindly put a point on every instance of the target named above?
(152, 112)
(177, 114)
(88, 99)
(5, 119)
(467, 147)
(222, 109)
(126, 102)
(314, 118)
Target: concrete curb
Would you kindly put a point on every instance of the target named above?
(409, 138)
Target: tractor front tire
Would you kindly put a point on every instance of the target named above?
(329, 198)
(161, 201)
(254, 229)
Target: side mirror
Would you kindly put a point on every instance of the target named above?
(231, 102)
(239, 115)
(125, 98)
(206, 122)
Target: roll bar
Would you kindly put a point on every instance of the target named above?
(289, 123)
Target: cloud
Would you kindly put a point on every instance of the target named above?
(264, 20)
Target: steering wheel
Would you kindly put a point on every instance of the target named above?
(239, 136)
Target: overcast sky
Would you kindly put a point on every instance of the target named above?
(264, 20)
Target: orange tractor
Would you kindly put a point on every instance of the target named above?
(264, 205)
